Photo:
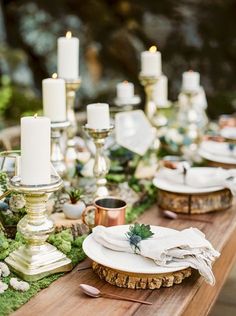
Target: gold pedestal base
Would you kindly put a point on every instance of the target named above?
(33, 263)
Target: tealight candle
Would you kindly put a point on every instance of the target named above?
(160, 93)
(35, 166)
(68, 57)
(191, 81)
(125, 90)
(54, 99)
(151, 62)
(98, 116)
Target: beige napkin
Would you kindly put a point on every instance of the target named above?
(206, 177)
(182, 248)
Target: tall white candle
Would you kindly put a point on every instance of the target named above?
(125, 90)
(98, 116)
(68, 57)
(35, 150)
(54, 99)
(191, 81)
(151, 62)
(160, 93)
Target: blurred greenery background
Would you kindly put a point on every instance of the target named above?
(190, 34)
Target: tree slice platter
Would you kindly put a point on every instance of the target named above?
(140, 281)
(220, 164)
(197, 203)
(77, 227)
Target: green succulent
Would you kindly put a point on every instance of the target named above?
(75, 195)
(138, 232)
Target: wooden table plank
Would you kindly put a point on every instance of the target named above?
(63, 297)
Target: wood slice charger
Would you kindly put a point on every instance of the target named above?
(197, 203)
(140, 281)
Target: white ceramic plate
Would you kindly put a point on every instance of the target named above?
(164, 183)
(229, 133)
(218, 152)
(122, 261)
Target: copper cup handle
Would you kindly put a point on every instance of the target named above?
(89, 209)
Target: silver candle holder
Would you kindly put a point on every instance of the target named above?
(71, 87)
(57, 156)
(149, 82)
(102, 162)
(37, 258)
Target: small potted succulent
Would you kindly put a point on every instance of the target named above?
(74, 208)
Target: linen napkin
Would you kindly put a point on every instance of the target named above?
(188, 247)
(206, 177)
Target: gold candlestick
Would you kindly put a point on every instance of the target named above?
(71, 88)
(148, 82)
(37, 258)
(101, 163)
(57, 157)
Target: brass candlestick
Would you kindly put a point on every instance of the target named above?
(148, 82)
(37, 258)
(57, 157)
(71, 88)
(101, 163)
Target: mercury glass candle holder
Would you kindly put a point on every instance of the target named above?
(188, 117)
(101, 163)
(149, 82)
(37, 258)
(71, 87)
(57, 156)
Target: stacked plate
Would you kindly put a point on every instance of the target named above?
(218, 152)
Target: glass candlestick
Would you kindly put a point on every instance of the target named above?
(71, 88)
(37, 258)
(57, 156)
(190, 118)
(149, 82)
(101, 163)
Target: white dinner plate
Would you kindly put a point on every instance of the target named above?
(161, 181)
(123, 261)
(229, 133)
(217, 152)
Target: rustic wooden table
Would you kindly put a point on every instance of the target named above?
(192, 297)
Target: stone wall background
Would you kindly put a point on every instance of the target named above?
(196, 34)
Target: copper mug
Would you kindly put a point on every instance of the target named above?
(109, 211)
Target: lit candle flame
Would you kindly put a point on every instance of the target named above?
(35, 115)
(153, 49)
(54, 76)
(68, 34)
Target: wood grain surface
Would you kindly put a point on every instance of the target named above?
(192, 297)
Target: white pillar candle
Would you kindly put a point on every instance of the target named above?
(191, 81)
(68, 57)
(160, 92)
(125, 90)
(54, 99)
(151, 62)
(35, 166)
(98, 116)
